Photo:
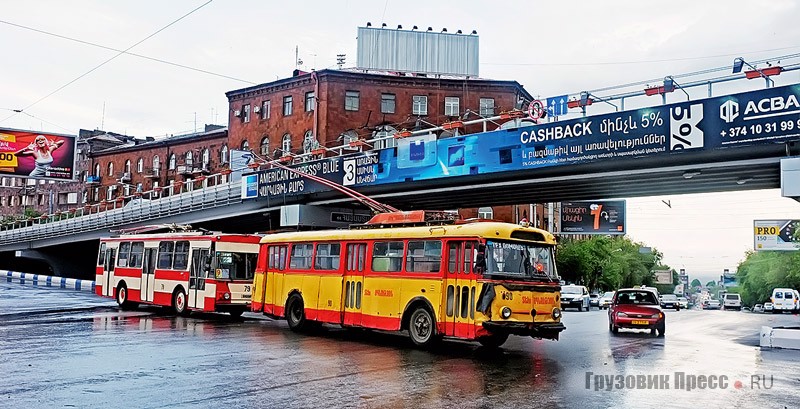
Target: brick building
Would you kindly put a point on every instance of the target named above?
(333, 107)
(145, 164)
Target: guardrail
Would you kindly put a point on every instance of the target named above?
(132, 209)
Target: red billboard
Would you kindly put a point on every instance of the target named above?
(37, 155)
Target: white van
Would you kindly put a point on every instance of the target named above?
(732, 302)
(784, 299)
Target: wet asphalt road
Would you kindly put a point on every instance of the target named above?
(61, 348)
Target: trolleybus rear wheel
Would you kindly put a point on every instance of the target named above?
(422, 328)
(179, 302)
(295, 313)
(122, 298)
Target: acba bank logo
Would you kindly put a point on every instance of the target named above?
(729, 111)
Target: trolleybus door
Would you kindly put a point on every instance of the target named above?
(353, 291)
(109, 271)
(197, 280)
(148, 273)
(459, 290)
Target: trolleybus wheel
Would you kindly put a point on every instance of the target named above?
(122, 298)
(493, 340)
(179, 303)
(422, 328)
(236, 313)
(295, 313)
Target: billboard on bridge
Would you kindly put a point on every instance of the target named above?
(727, 122)
(598, 217)
(37, 155)
(775, 235)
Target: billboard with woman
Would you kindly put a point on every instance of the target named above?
(37, 155)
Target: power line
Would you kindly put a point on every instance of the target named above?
(124, 52)
(108, 60)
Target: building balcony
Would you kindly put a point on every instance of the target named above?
(184, 169)
(152, 173)
(125, 177)
(92, 180)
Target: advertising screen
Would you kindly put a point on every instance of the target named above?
(37, 155)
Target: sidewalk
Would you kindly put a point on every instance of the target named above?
(49, 281)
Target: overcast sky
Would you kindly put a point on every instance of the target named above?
(551, 48)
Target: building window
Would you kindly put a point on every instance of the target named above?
(485, 213)
(189, 158)
(172, 161)
(246, 113)
(206, 158)
(310, 101)
(223, 154)
(265, 146)
(127, 166)
(419, 105)
(287, 105)
(487, 106)
(110, 168)
(156, 163)
(286, 144)
(351, 100)
(140, 165)
(451, 106)
(387, 103)
(265, 108)
(245, 145)
(97, 170)
(309, 142)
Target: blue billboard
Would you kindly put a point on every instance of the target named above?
(726, 122)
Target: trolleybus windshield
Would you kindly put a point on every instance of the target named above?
(235, 266)
(519, 260)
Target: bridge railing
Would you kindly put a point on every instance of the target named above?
(140, 207)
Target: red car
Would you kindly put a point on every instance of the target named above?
(636, 308)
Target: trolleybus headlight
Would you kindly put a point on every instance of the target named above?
(505, 313)
(226, 296)
(556, 313)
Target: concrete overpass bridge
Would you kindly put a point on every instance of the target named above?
(726, 143)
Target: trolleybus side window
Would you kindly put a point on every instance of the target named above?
(327, 257)
(122, 254)
(136, 256)
(356, 255)
(387, 256)
(181, 258)
(301, 257)
(165, 249)
(277, 257)
(424, 256)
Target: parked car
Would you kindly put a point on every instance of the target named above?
(594, 300)
(575, 296)
(605, 300)
(683, 302)
(768, 307)
(711, 304)
(784, 299)
(758, 308)
(636, 308)
(670, 301)
(732, 302)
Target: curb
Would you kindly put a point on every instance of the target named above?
(780, 337)
(49, 281)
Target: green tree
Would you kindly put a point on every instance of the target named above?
(696, 283)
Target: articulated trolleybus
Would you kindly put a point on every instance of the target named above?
(175, 266)
(420, 271)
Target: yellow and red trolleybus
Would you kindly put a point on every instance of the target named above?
(481, 280)
(186, 270)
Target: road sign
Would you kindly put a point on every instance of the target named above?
(557, 105)
(775, 234)
(536, 110)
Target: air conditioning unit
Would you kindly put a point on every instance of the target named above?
(237, 113)
(256, 109)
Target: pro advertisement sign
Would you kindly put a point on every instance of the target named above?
(727, 122)
(598, 217)
(775, 235)
(37, 155)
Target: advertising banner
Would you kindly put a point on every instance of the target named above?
(775, 235)
(727, 122)
(37, 155)
(598, 217)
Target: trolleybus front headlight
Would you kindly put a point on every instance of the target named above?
(556, 313)
(505, 313)
(226, 296)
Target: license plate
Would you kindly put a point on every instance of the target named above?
(639, 322)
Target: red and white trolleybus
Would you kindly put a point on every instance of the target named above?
(177, 267)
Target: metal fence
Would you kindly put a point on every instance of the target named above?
(117, 213)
